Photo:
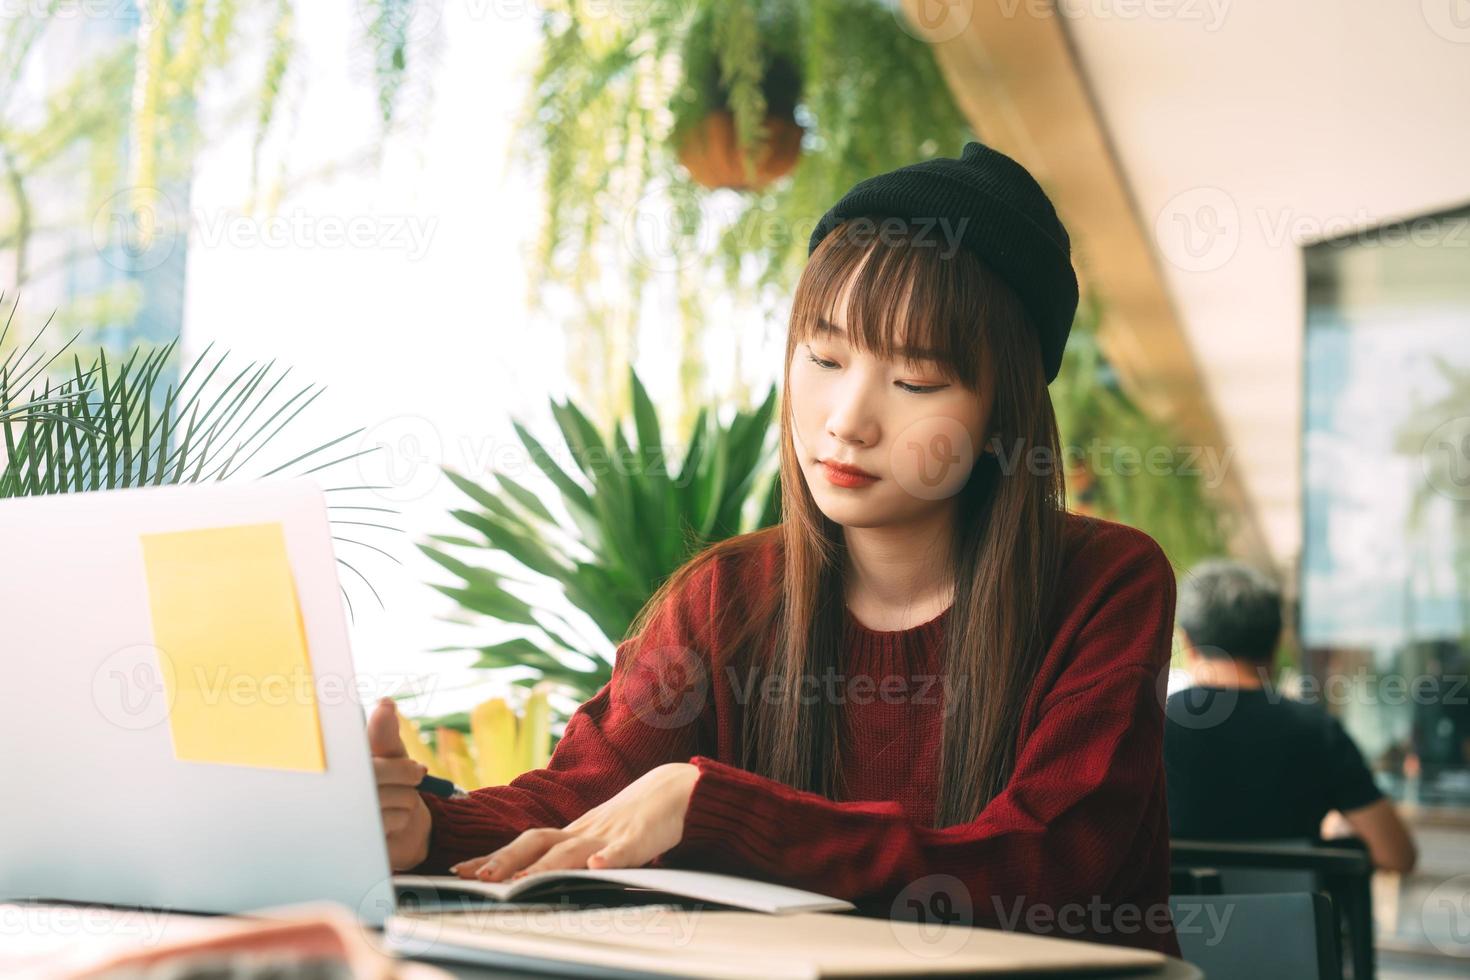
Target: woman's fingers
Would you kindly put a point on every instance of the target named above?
(570, 853)
(398, 772)
(530, 845)
(615, 855)
(396, 820)
(468, 867)
(398, 797)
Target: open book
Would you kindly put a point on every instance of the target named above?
(702, 886)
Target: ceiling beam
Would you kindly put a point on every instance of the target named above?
(1014, 75)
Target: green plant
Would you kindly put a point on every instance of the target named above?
(124, 124)
(632, 523)
(1097, 419)
(614, 90)
(744, 57)
(108, 426)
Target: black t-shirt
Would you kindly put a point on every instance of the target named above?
(1253, 764)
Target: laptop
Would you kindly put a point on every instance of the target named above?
(99, 805)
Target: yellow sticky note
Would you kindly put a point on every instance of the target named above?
(232, 647)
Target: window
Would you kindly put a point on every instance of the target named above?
(1385, 565)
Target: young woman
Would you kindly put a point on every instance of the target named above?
(929, 683)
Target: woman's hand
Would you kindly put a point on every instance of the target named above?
(632, 828)
(406, 819)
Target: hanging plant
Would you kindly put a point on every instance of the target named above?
(628, 120)
(735, 115)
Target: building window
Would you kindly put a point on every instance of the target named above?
(1385, 565)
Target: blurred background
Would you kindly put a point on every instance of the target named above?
(511, 279)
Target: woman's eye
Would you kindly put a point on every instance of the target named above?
(915, 389)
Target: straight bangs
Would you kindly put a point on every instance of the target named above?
(902, 294)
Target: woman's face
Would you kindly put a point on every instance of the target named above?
(900, 420)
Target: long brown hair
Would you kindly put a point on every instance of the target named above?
(1007, 544)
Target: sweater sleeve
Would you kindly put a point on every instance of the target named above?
(1058, 831)
(652, 711)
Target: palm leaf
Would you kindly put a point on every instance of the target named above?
(117, 424)
(632, 527)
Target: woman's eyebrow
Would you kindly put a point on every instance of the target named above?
(911, 353)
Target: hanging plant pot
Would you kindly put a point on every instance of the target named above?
(708, 140)
(711, 152)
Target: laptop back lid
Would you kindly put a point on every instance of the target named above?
(154, 753)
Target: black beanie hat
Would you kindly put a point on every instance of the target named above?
(1002, 215)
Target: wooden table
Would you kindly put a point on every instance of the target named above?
(37, 939)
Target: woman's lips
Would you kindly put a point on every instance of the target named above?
(847, 478)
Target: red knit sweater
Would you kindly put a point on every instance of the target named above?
(1077, 844)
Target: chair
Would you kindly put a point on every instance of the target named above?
(1342, 869)
(1288, 936)
(1195, 881)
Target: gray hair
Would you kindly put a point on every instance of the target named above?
(1229, 609)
